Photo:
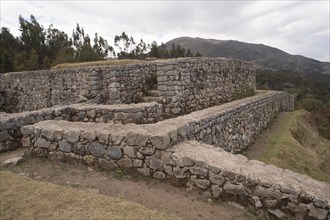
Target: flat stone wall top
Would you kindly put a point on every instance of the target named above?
(256, 170)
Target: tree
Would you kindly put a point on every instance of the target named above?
(9, 46)
(33, 38)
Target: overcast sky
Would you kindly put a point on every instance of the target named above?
(297, 27)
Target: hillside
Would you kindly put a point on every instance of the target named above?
(262, 55)
(286, 142)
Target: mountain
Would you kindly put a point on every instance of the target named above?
(262, 55)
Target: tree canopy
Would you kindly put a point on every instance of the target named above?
(40, 48)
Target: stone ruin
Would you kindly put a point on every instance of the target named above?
(183, 119)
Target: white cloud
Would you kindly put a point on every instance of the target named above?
(297, 27)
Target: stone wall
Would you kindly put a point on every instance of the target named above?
(188, 85)
(184, 84)
(169, 150)
(10, 124)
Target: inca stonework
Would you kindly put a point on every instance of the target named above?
(207, 111)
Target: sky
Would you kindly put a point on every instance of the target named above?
(297, 27)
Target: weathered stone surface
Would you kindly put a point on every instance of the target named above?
(159, 175)
(106, 164)
(88, 136)
(147, 150)
(103, 137)
(125, 162)
(168, 170)
(267, 193)
(4, 135)
(137, 163)
(317, 212)
(269, 203)
(198, 171)
(120, 116)
(96, 149)
(136, 139)
(130, 152)
(234, 189)
(27, 130)
(160, 141)
(26, 142)
(42, 143)
(299, 210)
(278, 213)
(216, 191)
(217, 179)
(72, 136)
(115, 153)
(48, 134)
(154, 163)
(201, 183)
(64, 146)
(12, 161)
(186, 162)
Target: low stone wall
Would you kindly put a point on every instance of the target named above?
(281, 192)
(10, 124)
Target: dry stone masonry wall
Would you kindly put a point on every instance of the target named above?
(169, 150)
(10, 124)
(191, 85)
(184, 84)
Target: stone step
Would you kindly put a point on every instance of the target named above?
(151, 99)
(154, 93)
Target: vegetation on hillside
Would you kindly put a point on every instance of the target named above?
(40, 48)
(292, 142)
(262, 55)
(312, 92)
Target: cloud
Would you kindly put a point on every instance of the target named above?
(297, 27)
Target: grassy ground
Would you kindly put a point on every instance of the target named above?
(97, 63)
(292, 142)
(25, 198)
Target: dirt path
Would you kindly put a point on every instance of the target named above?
(150, 193)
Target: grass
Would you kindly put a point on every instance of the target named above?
(292, 142)
(25, 198)
(97, 63)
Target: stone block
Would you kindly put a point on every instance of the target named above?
(27, 130)
(4, 135)
(42, 143)
(64, 146)
(136, 139)
(87, 136)
(72, 136)
(96, 149)
(106, 164)
(130, 152)
(125, 162)
(48, 134)
(115, 153)
(103, 137)
(144, 171)
(154, 163)
(199, 171)
(160, 141)
(217, 179)
(26, 142)
(137, 163)
(200, 183)
(235, 189)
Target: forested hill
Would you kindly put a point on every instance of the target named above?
(262, 55)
